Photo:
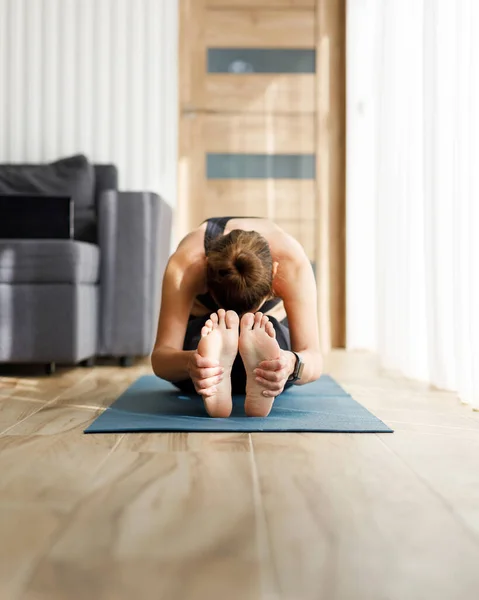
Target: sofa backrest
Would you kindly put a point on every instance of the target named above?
(74, 176)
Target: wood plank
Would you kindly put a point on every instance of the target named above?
(259, 28)
(267, 133)
(283, 199)
(186, 442)
(449, 466)
(260, 3)
(331, 162)
(346, 519)
(325, 515)
(51, 470)
(14, 410)
(44, 388)
(26, 534)
(192, 56)
(77, 406)
(191, 174)
(275, 93)
(163, 515)
(24, 396)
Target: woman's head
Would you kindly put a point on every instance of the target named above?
(240, 271)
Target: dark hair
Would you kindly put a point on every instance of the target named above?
(240, 270)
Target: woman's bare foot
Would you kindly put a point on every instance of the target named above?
(256, 343)
(219, 341)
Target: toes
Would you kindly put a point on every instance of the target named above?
(214, 320)
(247, 321)
(264, 320)
(221, 317)
(270, 330)
(207, 328)
(232, 320)
(257, 320)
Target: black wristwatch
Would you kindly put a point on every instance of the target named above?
(298, 368)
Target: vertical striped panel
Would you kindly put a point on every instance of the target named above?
(92, 76)
(84, 105)
(100, 94)
(3, 78)
(68, 77)
(32, 60)
(14, 87)
(50, 125)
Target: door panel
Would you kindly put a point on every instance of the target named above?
(276, 28)
(248, 108)
(261, 3)
(259, 133)
(262, 126)
(258, 94)
(273, 199)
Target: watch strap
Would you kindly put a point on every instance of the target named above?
(298, 368)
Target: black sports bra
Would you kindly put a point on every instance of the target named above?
(214, 228)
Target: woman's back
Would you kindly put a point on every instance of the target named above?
(192, 251)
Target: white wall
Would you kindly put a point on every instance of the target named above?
(387, 308)
(361, 280)
(413, 188)
(92, 76)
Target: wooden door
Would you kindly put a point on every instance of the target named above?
(251, 121)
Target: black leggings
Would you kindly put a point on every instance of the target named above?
(238, 373)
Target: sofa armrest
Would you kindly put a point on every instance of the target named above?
(134, 237)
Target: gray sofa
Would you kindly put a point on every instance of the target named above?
(69, 300)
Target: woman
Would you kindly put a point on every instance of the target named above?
(238, 314)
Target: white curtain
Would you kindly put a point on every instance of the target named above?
(413, 188)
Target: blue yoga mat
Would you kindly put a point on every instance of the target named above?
(152, 404)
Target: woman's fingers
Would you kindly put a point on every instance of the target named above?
(273, 365)
(269, 375)
(208, 392)
(203, 361)
(206, 373)
(272, 386)
(203, 384)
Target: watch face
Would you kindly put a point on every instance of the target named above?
(300, 369)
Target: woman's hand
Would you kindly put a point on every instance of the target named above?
(273, 374)
(205, 373)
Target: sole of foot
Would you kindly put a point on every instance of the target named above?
(257, 342)
(219, 341)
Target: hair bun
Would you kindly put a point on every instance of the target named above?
(242, 263)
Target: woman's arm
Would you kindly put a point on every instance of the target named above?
(300, 302)
(296, 285)
(182, 281)
(168, 359)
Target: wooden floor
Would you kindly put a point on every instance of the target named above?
(237, 516)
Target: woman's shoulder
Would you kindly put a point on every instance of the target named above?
(188, 262)
(285, 247)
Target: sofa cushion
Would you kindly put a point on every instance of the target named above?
(48, 261)
(86, 225)
(74, 176)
